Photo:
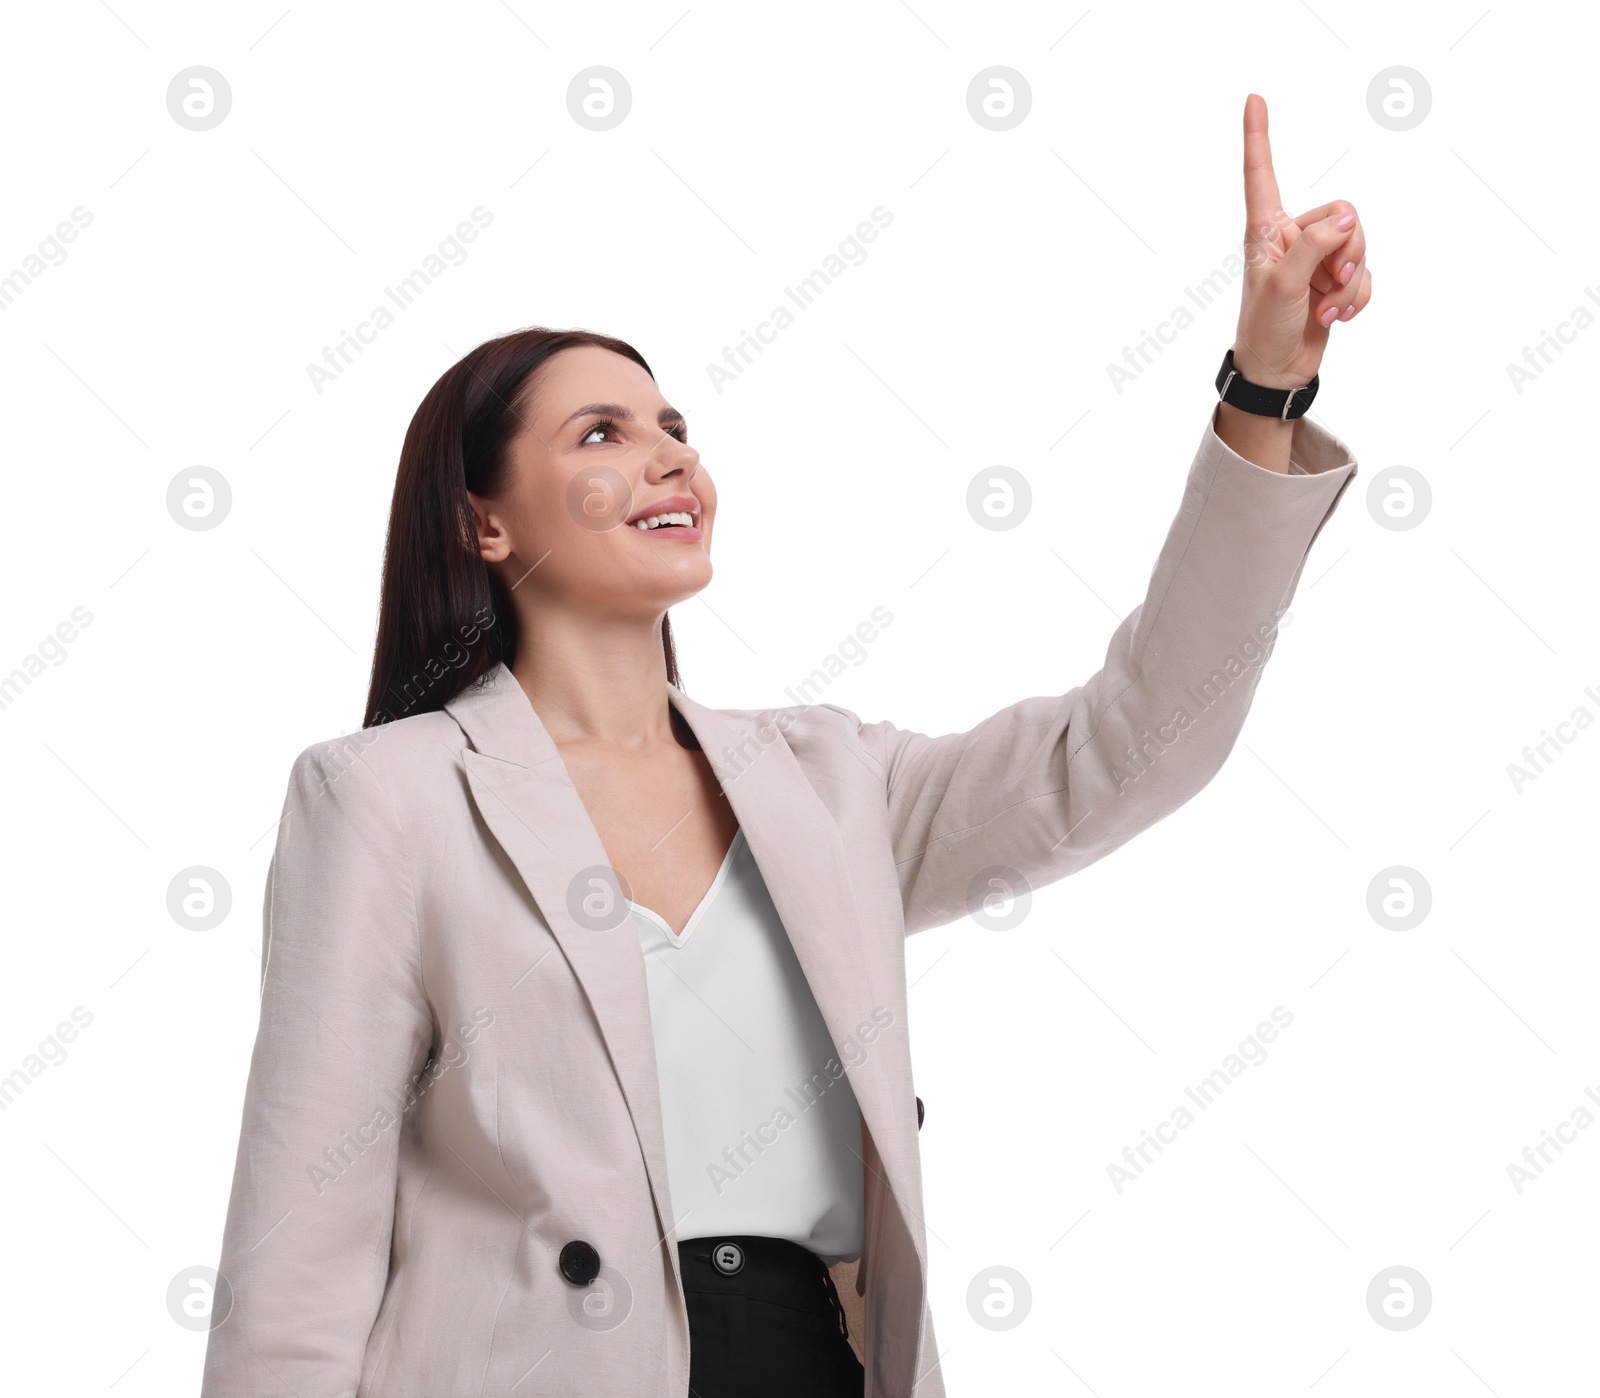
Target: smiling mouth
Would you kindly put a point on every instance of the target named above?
(672, 522)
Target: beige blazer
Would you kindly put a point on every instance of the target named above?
(454, 1074)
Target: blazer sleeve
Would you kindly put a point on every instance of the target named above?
(345, 1025)
(1049, 785)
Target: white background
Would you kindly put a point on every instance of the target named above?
(1415, 665)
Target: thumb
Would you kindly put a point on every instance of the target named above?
(1317, 241)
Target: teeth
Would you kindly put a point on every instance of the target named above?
(673, 517)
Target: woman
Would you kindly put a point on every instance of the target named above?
(583, 1045)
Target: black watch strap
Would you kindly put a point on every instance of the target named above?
(1285, 403)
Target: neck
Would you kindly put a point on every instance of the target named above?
(595, 679)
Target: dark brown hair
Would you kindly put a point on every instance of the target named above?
(445, 620)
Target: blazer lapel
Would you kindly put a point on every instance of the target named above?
(525, 795)
(797, 847)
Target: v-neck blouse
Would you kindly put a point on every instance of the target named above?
(763, 1131)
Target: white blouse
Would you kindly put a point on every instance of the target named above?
(763, 1132)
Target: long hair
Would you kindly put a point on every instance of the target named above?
(445, 620)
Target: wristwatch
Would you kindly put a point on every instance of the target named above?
(1284, 403)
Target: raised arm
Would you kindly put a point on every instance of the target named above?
(344, 1026)
(1051, 784)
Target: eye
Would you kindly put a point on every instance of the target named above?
(679, 429)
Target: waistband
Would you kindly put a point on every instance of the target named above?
(775, 1270)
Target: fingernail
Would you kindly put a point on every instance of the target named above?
(1345, 221)
(1346, 272)
(1347, 313)
(1330, 315)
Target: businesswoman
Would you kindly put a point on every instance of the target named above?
(583, 1061)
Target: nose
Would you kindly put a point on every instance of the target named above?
(670, 456)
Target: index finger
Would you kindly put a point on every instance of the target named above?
(1262, 203)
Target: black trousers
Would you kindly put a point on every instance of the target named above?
(765, 1321)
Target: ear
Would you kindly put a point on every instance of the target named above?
(491, 543)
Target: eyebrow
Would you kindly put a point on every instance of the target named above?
(665, 417)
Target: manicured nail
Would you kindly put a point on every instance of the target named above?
(1345, 221)
(1330, 315)
(1346, 272)
(1347, 313)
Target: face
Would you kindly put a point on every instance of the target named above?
(600, 451)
